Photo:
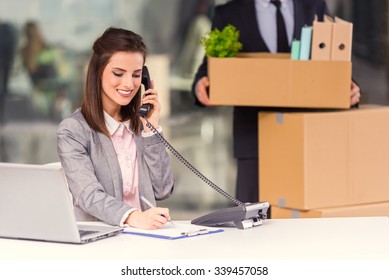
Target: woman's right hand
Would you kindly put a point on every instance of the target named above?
(152, 218)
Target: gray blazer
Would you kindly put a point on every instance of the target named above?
(93, 172)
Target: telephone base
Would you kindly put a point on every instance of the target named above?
(249, 223)
(244, 216)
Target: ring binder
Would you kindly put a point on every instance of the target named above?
(341, 40)
(322, 39)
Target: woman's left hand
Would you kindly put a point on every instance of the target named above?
(151, 97)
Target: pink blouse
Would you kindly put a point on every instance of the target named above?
(125, 147)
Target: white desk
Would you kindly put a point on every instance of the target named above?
(291, 239)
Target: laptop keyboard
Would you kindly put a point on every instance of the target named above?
(86, 232)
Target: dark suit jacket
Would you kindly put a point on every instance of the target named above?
(242, 15)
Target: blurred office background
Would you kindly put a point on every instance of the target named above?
(44, 50)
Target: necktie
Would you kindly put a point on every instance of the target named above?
(282, 38)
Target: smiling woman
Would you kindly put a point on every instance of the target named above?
(114, 42)
(121, 80)
(108, 159)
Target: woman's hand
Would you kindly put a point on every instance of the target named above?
(152, 218)
(151, 97)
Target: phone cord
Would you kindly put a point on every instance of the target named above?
(190, 166)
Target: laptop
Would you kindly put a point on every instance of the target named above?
(35, 204)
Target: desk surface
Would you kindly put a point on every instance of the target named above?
(322, 238)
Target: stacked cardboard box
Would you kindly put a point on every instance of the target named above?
(314, 160)
(363, 210)
(308, 160)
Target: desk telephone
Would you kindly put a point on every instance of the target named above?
(243, 216)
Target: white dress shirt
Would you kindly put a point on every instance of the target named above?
(267, 22)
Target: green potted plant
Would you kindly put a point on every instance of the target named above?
(224, 43)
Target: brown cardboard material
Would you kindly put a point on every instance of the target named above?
(341, 40)
(324, 159)
(321, 40)
(364, 210)
(276, 81)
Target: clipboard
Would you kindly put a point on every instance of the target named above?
(177, 231)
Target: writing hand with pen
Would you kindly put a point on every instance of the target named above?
(152, 218)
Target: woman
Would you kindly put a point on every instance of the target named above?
(109, 161)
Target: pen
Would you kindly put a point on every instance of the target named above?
(145, 200)
(195, 232)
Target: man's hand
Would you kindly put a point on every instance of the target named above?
(355, 94)
(201, 91)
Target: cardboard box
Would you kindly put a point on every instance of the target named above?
(324, 159)
(272, 80)
(364, 210)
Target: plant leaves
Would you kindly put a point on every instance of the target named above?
(223, 43)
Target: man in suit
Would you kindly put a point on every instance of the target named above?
(256, 22)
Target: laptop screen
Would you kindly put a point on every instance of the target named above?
(35, 203)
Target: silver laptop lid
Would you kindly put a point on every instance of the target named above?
(35, 203)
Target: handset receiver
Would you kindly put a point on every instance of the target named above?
(145, 108)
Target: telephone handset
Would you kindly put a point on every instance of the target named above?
(145, 108)
(244, 215)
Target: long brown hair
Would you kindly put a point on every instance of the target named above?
(113, 40)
